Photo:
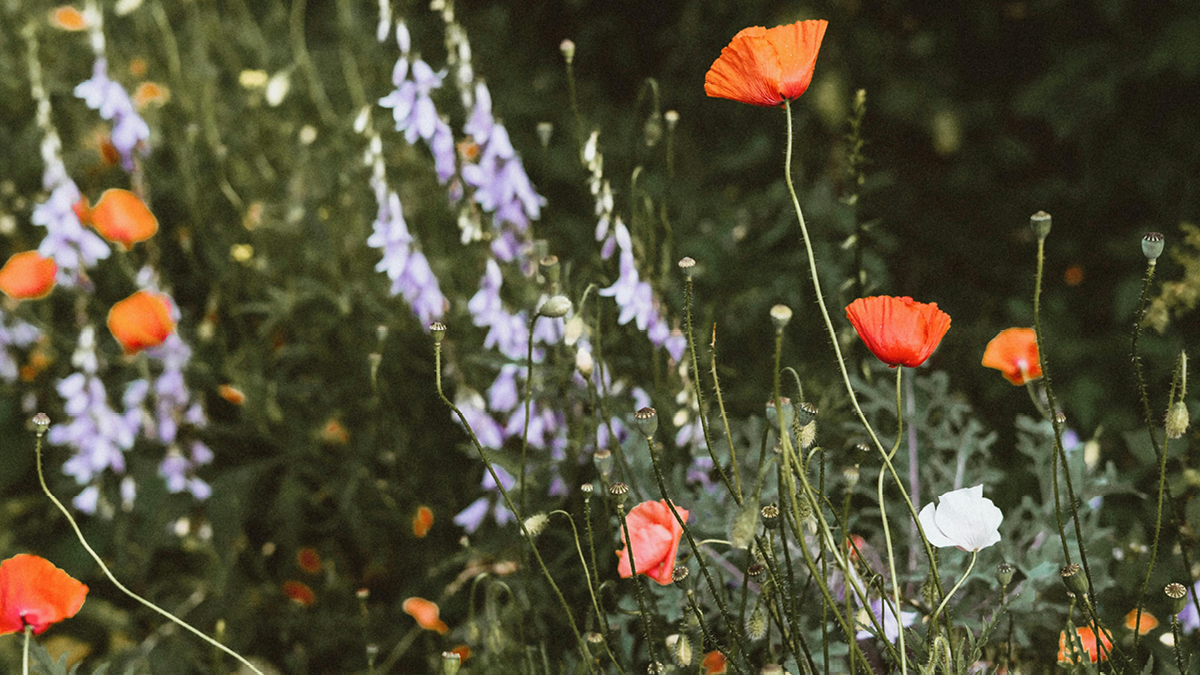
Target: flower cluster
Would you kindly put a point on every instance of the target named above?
(413, 108)
(129, 131)
(637, 302)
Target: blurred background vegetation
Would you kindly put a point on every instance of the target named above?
(978, 114)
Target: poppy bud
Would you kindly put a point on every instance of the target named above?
(584, 362)
(586, 489)
(773, 415)
(568, 50)
(756, 624)
(1177, 596)
(555, 307)
(1004, 573)
(806, 413)
(681, 649)
(687, 265)
(536, 523)
(1073, 577)
(1177, 420)
(1040, 222)
(745, 524)
(595, 643)
(780, 316)
(603, 460)
(1152, 245)
(672, 118)
(619, 492)
(647, 421)
(41, 422)
(438, 330)
(770, 516)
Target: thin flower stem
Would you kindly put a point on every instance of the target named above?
(837, 350)
(687, 532)
(591, 589)
(528, 406)
(104, 568)
(1176, 643)
(887, 530)
(971, 566)
(637, 584)
(712, 354)
(1049, 414)
(691, 339)
(1162, 491)
(25, 658)
(583, 651)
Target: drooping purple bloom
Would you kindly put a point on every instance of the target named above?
(472, 517)
(636, 300)
(14, 334)
(416, 115)
(129, 132)
(72, 246)
(404, 265)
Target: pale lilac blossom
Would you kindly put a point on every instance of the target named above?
(129, 131)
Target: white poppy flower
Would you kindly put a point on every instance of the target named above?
(962, 518)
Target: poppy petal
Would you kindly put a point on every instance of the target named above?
(35, 592)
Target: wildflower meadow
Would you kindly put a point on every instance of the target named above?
(560, 336)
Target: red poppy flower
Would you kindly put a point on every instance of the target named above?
(142, 320)
(34, 592)
(28, 276)
(422, 521)
(655, 534)
(1148, 621)
(900, 331)
(309, 560)
(766, 67)
(1087, 638)
(299, 593)
(1014, 353)
(120, 217)
(713, 663)
(426, 613)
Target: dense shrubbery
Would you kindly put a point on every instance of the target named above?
(406, 270)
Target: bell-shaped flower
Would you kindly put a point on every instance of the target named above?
(962, 518)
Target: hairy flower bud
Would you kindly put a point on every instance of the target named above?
(555, 307)
(1178, 420)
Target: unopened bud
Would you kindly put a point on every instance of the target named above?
(586, 489)
(1004, 573)
(681, 649)
(771, 669)
(770, 516)
(603, 460)
(647, 421)
(851, 475)
(679, 575)
(1176, 596)
(672, 118)
(584, 363)
(780, 316)
(544, 131)
(536, 523)
(555, 307)
(1177, 420)
(1073, 577)
(451, 661)
(806, 413)
(595, 643)
(619, 492)
(786, 407)
(756, 624)
(568, 50)
(438, 330)
(41, 422)
(688, 266)
(1040, 222)
(1152, 245)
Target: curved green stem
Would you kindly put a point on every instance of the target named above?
(974, 557)
(837, 350)
(887, 530)
(104, 568)
(691, 339)
(637, 584)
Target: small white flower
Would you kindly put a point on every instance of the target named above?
(963, 518)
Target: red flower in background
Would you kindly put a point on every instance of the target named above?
(120, 217)
(142, 320)
(426, 613)
(655, 534)
(766, 67)
(900, 331)
(422, 521)
(35, 592)
(1014, 352)
(28, 276)
(299, 593)
(1087, 638)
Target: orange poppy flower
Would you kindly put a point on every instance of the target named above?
(713, 663)
(1014, 352)
(120, 217)
(231, 393)
(68, 18)
(142, 320)
(426, 613)
(28, 276)
(899, 331)
(1148, 623)
(148, 93)
(463, 651)
(1087, 638)
(34, 592)
(299, 593)
(422, 522)
(766, 67)
(309, 560)
(655, 534)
